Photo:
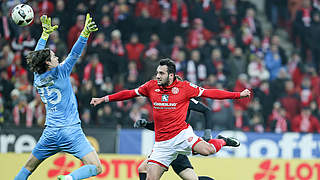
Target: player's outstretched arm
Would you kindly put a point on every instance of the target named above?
(119, 96)
(47, 29)
(89, 27)
(222, 94)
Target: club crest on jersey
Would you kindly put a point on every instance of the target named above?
(165, 97)
(157, 90)
(175, 90)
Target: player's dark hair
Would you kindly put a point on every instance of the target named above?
(170, 64)
(36, 60)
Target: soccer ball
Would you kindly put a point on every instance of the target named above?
(22, 14)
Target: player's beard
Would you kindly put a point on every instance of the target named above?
(165, 82)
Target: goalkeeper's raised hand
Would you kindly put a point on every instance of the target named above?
(89, 26)
(47, 28)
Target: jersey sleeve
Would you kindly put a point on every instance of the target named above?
(41, 44)
(66, 66)
(143, 90)
(121, 95)
(202, 108)
(198, 106)
(192, 90)
(220, 94)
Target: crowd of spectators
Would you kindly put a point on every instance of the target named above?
(215, 44)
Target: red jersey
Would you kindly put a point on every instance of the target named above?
(170, 103)
(170, 106)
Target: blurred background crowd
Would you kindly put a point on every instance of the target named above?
(227, 44)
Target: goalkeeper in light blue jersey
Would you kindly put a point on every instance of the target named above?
(62, 128)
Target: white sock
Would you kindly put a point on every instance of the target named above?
(68, 177)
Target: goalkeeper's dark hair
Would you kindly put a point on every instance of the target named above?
(36, 60)
(170, 64)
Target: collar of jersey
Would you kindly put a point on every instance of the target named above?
(167, 88)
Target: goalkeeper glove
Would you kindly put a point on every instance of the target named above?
(89, 26)
(140, 123)
(47, 28)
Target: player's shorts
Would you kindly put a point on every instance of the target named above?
(70, 139)
(164, 152)
(181, 163)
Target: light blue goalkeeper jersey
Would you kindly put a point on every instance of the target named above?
(55, 88)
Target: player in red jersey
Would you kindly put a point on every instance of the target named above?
(181, 165)
(170, 100)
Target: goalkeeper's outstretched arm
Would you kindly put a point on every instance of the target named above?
(78, 47)
(47, 29)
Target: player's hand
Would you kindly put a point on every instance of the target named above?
(96, 101)
(47, 27)
(89, 26)
(245, 93)
(140, 123)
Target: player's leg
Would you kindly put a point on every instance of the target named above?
(162, 155)
(184, 169)
(214, 145)
(207, 135)
(91, 168)
(182, 166)
(28, 168)
(188, 174)
(155, 171)
(92, 159)
(142, 169)
(73, 141)
(45, 148)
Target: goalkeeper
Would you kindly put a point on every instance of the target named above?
(62, 127)
(181, 165)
